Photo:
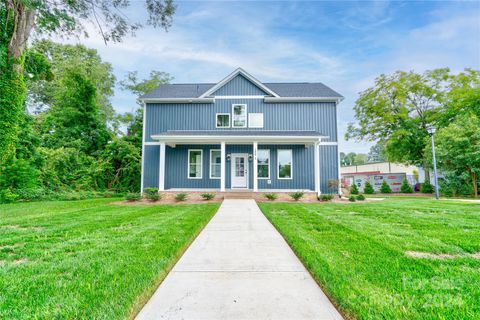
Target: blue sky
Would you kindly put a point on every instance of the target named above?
(343, 44)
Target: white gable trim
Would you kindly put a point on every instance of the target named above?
(233, 75)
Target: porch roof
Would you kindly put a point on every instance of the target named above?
(239, 136)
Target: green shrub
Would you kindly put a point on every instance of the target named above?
(352, 199)
(109, 194)
(325, 197)
(360, 197)
(427, 187)
(181, 196)
(354, 189)
(385, 188)
(297, 195)
(133, 196)
(368, 189)
(31, 194)
(7, 196)
(271, 196)
(152, 194)
(208, 196)
(406, 188)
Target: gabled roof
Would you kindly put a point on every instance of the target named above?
(273, 91)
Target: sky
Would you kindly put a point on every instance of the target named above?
(344, 44)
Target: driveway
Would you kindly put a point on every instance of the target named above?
(239, 267)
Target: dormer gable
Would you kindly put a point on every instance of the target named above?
(239, 83)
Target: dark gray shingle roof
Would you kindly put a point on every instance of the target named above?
(240, 132)
(194, 90)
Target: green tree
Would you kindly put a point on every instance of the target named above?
(376, 153)
(66, 57)
(75, 121)
(385, 188)
(458, 147)
(405, 187)
(354, 189)
(20, 17)
(368, 189)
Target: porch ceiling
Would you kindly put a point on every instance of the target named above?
(239, 136)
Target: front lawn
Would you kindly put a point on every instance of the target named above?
(401, 258)
(89, 259)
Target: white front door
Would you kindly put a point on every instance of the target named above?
(239, 170)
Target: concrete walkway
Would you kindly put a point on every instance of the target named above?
(239, 267)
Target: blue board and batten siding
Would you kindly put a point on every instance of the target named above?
(284, 116)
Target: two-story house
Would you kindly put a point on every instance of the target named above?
(241, 133)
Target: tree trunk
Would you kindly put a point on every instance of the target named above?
(426, 169)
(475, 184)
(17, 24)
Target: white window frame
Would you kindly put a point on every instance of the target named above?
(222, 114)
(210, 164)
(233, 115)
(269, 164)
(201, 164)
(278, 165)
(255, 114)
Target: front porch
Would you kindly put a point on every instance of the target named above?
(233, 161)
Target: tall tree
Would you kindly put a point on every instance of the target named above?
(397, 111)
(20, 17)
(376, 153)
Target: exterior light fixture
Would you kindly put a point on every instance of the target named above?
(228, 157)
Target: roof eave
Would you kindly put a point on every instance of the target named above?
(177, 100)
(303, 99)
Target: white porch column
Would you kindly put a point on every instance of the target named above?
(255, 164)
(317, 168)
(161, 171)
(222, 166)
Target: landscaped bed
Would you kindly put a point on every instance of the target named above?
(89, 259)
(401, 258)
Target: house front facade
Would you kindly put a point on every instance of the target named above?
(241, 133)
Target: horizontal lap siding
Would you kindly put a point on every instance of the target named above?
(277, 116)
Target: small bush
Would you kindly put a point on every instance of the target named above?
(152, 194)
(368, 189)
(133, 196)
(181, 196)
(208, 196)
(7, 196)
(406, 188)
(31, 194)
(385, 188)
(325, 197)
(271, 196)
(427, 187)
(354, 189)
(352, 199)
(109, 194)
(360, 197)
(297, 195)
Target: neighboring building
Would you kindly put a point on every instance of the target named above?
(241, 133)
(393, 173)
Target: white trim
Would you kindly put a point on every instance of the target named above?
(210, 164)
(338, 155)
(152, 143)
(222, 114)
(233, 75)
(317, 168)
(161, 170)
(269, 165)
(206, 139)
(222, 166)
(255, 168)
(302, 99)
(238, 97)
(232, 171)
(255, 114)
(143, 146)
(329, 143)
(178, 100)
(201, 164)
(291, 165)
(233, 115)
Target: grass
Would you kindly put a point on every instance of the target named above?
(357, 253)
(89, 259)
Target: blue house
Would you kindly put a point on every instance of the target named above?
(241, 133)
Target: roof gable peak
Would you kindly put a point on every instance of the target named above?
(238, 71)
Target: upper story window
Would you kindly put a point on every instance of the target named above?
(239, 116)
(255, 120)
(223, 120)
(285, 164)
(195, 164)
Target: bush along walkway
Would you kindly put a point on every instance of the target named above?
(239, 267)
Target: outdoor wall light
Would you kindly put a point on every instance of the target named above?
(228, 157)
(250, 157)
